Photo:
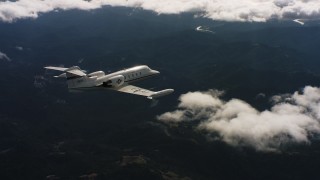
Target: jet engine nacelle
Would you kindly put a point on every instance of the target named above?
(114, 81)
(97, 73)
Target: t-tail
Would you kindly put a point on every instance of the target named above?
(73, 74)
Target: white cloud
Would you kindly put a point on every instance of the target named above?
(200, 100)
(175, 116)
(203, 29)
(299, 21)
(292, 119)
(225, 10)
(10, 11)
(3, 56)
(20, 48)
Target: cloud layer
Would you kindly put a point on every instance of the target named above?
(294, 118)
(225, 10)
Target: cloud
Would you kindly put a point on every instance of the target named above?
(3, 56)
(225, 10)
(294, 118)
(20, 48)
(203, 29)
(11, 10)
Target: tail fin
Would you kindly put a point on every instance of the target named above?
(71, 74)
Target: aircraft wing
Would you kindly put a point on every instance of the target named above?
(144, 92)
(135, 90)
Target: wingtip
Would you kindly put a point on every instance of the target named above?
(161, 93)
(48, 67)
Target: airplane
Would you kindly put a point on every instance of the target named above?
(120, 81)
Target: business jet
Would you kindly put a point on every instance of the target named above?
(120, 81)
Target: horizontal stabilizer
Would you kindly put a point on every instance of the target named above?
(75, 70)
(56, 68)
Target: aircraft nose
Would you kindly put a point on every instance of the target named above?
(155, 72)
